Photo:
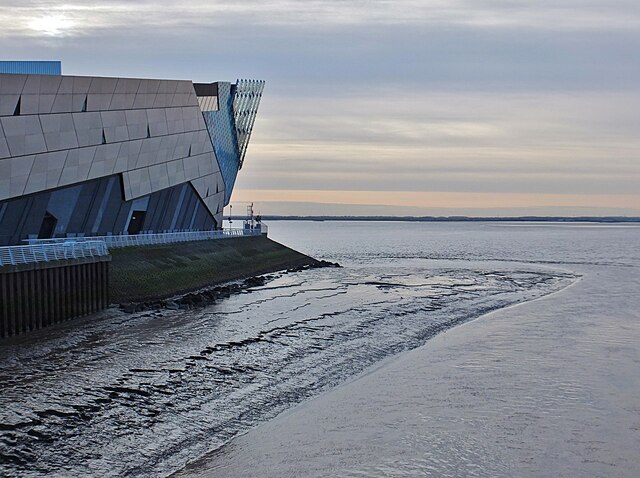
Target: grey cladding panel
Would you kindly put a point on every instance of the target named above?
(59, 131)
(122, 101)
(159, 177)
(128, 156)
(151, 131)
(42, 85)
(63, 104)
(184, 99)
(12, 84)
(36, 104)
(104, 160)
(77, 165)
(88, 128)
(175, 123)
(46, 171)
(148, 152)
(168, 87)
(66, 85)
(115, 126)
(144, 100)
(4, 148)
(103, 85)
(169, 143)
(127, 86)
(21, 125)
(5, 185)
(98, 101)
(81, 85)
(191, 167)
(139, 182)
(175, 172)
(14, 173)
(17, 166)
(191, 116)
(19, 181)
(29, 104)
(136, 123)
(149, 86)
(68, 99)
(162, 100)
(8, 104)
(79, 102)
(185, 87)
(157, 122)
(23, 134)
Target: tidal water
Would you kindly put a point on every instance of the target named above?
(374, 369)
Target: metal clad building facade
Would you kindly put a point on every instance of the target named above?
(97, 156)
(31, 67)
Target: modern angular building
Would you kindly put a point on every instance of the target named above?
(99, 156)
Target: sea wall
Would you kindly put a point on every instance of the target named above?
(37, 295)
(140, 274)
(33, 296)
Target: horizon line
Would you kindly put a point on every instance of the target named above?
(531, 218)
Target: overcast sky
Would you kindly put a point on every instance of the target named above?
(392, 107)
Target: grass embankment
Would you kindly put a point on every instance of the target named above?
(156, 272)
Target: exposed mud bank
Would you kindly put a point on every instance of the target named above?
(210, 295)
(144, 394)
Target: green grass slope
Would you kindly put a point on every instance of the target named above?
(155, 272)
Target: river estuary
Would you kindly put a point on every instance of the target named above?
(374, 369)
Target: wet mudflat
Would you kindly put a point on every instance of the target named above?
(143, 394)
(544, 388)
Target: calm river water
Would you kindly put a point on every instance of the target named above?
(366, 370)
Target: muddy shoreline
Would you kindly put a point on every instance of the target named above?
(155, 273)
(210, 295)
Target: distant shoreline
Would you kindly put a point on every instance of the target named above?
(594, 219)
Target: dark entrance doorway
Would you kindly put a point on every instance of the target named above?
(48, 227)
(136, 222)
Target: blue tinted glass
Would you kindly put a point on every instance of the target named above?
(221, 127)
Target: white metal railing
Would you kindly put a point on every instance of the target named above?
(116, 241)
(68, 249)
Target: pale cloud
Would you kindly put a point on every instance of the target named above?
(525, 102)
(57, 24)
(445, 201)
(88, 15)
(576, 143)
